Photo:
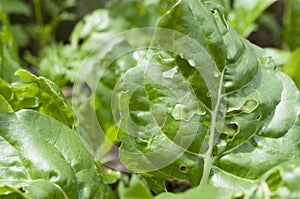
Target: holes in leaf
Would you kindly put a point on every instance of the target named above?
(183, 169)
(248, 107)
(86, 90)
(258, 117)
(22, 189)
(274, 180)
(231, 130)
(177, 185)
(233, 126)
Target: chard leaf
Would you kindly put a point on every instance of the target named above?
(207, 107)
(43, 158)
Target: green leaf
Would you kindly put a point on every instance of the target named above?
(280, 57)
(292, 23)
(43, 158)
(207, 191)
(40, 94)
(111, 176)
(5, 106)
(279, 182)
(207, 109)
(292, 66)
(136, 189)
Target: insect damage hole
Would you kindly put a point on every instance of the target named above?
(177, 185)
(231, 130)
(183, 169)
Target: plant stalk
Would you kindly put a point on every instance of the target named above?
(209, 159)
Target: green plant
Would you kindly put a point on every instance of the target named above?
(190, 101)
(258, 102)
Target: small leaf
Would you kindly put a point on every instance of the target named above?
(136, 189)
(42, 94)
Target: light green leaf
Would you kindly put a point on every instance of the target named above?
(136, 189)
(207, 191)
(292, 66)
(43, 158)
(280, 182)
(280, 57)
(5, 106)
(40, 94)
(111, 176)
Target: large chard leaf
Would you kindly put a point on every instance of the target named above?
(43, 158)
(207, 107)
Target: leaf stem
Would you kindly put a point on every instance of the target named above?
(209, 159)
